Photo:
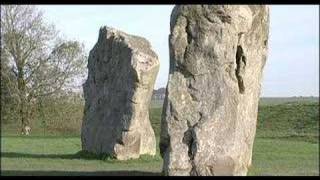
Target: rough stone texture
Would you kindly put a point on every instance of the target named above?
(217, 53)
(122, 70)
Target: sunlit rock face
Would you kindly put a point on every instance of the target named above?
(217, 55)
(122, 69)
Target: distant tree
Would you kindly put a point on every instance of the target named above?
(42, 63)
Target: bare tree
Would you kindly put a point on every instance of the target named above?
(8, 98)
(43, 63)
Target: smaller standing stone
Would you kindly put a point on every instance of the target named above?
(122, 72)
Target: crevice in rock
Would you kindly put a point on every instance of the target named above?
(241, 64)
(184, 71)
(208, 19)
(224, 17)
(120, 141)
(194, 97)
(172, 111)
(201, 116)
(163, 145)
(265, 42)
(133, 102)
(192, 92)
(185, 54)
(189, 37)
(190, 141)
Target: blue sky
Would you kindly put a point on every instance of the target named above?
(292, 67)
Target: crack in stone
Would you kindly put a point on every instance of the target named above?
(241, 62)
(189, 140)
(184, 72)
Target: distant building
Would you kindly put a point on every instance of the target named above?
(159, 94)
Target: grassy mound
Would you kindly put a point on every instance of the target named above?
(289, 120)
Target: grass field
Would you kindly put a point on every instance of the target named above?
(59, 156)
(287, 143)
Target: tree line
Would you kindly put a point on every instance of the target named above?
(37, 65)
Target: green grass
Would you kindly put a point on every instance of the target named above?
(284, 157)
(287, 143)
(289, 120)
(155, 118)
(60, 156)
(156, 103)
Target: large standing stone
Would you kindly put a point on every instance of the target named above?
(217, 53)
(122, 70)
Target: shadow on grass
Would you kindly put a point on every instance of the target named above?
(78, 173)
(84, 155)
(53, 156)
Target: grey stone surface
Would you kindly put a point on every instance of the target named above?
(217, 55)
(122, 69)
